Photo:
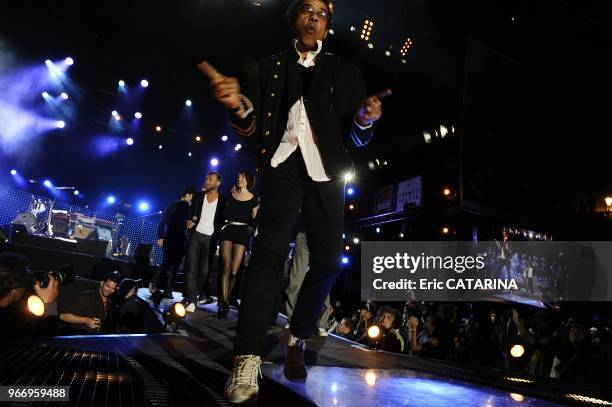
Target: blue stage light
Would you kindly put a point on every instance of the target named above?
(377, 230)
(143, 206)
(238, 147)
(76, 192)
(160, 147)
(69, 61)
(13, 172)
(64, 95)
(138, 115)
(188, 103)
(114, 113)
(144, 83)
(60, 124)
(214, 162)
(45, 95)
(111, 199)
(224, 138)
(350, 191)
(345, 260)
(47, 183)
(129, 141)
(122, 83)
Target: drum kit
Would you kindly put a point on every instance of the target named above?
(72, 225)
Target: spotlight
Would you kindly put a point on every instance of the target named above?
(45, 95)
(351, 206)
(366, 32)
(158, 129)
(224, 138)
(143, 206)
(129, 141)
(214, 162)
(348, 177)
(198, 139)
(427, 137)
(238, 147)
(345, 260)
(76, 192)
(378, 230)
(373, 331)
(36, 306)
(388, 53)
(48, 63)
(60, 124)
(517, 351)
(13, 172)
(350, 191)
(347, 248)
(404, 61)
(401, 235)
(122, 83)
(69, 61)
(370, 45)
(188, 103)
(138, 115)
(114, 113)
(343, 236)
(64, 95)
(189, 154)
(173, 315)
(144, 83)
(160, 147)
(356, 240)
(405, 47)
(118, 118)
(443, 130)
(352, 28)
(445, 230)
(447, 192)
(47, 183)
(111, 199)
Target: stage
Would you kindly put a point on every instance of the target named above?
(193, 364)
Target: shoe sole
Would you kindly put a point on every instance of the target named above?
(295, 379)
(245, 401)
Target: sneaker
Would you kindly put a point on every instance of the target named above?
(190, 307)
(293, 347)
(242, 385)
(152, 288)
(206, 300)
(322, 332)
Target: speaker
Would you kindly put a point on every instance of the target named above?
(105, 234)
(59, 224)
(28, 220)
(143, 254)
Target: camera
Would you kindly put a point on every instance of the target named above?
(64, 275)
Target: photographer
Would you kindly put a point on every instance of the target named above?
(17, 285)
(388, 337)
(90, 309)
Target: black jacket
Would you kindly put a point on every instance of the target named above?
(196, 211)
(336, 90)
(173, 224)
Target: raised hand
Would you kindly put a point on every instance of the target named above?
(225, 90)
(370, 109)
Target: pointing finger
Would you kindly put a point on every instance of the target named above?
(210, 71)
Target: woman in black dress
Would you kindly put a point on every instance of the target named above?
(241, 208)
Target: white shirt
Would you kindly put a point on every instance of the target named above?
(206, 225)
(299, 133)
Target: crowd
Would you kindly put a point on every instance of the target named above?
(543, 343)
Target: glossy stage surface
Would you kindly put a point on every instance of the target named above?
(335, 386)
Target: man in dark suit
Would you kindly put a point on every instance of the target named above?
(171, 237)
(305, 108)
(205, 220)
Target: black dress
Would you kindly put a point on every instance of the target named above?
(238, 212)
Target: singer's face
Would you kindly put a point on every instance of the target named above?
(311, 24)
(212, 182)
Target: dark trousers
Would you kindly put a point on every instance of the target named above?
(198, 265)
(284, 191)
(173, 256)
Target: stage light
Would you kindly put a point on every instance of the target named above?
(378, 230)
(188, 103)
(76, 192)
(36, 306)
(224, 138)
(64, 95)
(517, 351)
(69, 61)
(129, 141)
(345, 260)
(356, 240)
(348, 177)
(144, 83)
(366, 32)
(189, 154)
(443, 130)
(370, 378)
(60, 124)
(118, 118)
(122, 83)
(143, 206)
(388, 53)
(352, 28)
(334, 387)
(427, 137)
(138, 115)
(445, 230)
(517, 397)
(111, 199)
(332, 32)
(343, 236)
(158, 129)
(45, 95)
(401, 235)
(347, 248)
(13, 172)
(447, 192)
(370, 45)
(198, 139)
(238, 147)
(48, 63)
(351, 206)
(173, 315)
(406, 47)
(404, 61)
(160, 147)
(350, 191)
(114, 113)
(214, 162)
(47, 183)
(373, 331)
(608, 201)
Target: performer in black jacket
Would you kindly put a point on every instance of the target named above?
(204, 222)
(171, 237)
(305, 108)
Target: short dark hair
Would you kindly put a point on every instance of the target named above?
(215, 173)
(250, 179)
(294, 9)
(113, 276)
(190, 190)
(14, 273)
